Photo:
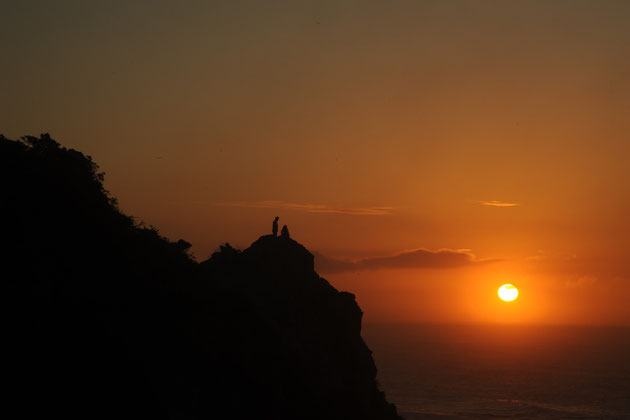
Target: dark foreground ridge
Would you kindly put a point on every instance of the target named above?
(107, 319)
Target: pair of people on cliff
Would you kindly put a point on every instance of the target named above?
(284, 232)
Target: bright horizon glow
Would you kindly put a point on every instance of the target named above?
(508, 292)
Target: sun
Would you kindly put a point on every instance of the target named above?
(508, 292)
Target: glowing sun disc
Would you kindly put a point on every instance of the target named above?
(508, 292)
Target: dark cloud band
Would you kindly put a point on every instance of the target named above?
(419, 258)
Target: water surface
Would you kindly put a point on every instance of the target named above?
(511, 372)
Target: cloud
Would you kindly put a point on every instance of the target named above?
(583, 281)
(495, 203)
(418, 258)
(312, 208)
(578, 270)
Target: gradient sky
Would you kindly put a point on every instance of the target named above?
(494, 131)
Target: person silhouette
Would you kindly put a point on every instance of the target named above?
(285, 232)
(274, 228)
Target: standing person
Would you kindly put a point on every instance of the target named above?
(274, 228)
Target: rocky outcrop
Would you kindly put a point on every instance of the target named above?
(323, 351)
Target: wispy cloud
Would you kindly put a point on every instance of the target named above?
(495, 203)
(417, 258)
(579, 270)
(312, 208)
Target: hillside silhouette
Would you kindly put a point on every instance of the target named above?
(108, 319)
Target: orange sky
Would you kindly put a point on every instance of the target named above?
(371, 128)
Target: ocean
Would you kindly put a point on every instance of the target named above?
(502, 371)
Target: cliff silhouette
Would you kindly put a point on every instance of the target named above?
(108, 319)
